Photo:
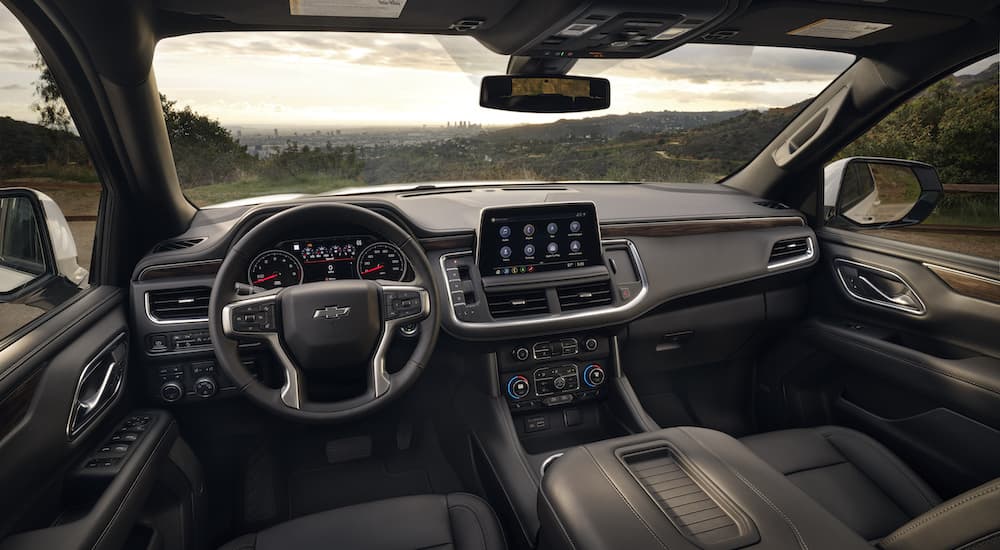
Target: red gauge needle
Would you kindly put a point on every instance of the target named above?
(379, 267)
(265, 279)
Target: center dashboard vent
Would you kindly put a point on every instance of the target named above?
(789, 250)
(180, 304)
(517, 303)
(584, 296)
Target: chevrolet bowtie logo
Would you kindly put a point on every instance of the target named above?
(332, 312)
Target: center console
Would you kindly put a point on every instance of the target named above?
(689, 488)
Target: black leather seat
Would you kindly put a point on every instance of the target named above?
(850, 474)
(457, 521)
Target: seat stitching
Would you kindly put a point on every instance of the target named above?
(943, 510)
(885, 454)
(788, 520)
(482, 536)
(625, 500)
(811, 468)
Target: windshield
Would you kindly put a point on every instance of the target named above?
(253, 114)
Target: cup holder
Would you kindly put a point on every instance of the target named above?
(548, 461)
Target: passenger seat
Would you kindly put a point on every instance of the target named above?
(873, 492)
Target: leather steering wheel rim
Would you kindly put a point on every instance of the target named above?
(225, 301)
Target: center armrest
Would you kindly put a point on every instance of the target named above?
(679, 488)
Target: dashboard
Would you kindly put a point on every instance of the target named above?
(330, 258)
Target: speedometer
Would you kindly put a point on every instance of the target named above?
(275, 269)
(382, 261)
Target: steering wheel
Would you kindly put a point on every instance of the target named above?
(319, 326)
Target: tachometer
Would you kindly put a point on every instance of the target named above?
(275, 269)
(382, 261)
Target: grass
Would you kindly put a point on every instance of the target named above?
(967, 209)
(205, 195)
(62, 172)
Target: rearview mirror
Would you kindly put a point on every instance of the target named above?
(545, 94)
(881, 192)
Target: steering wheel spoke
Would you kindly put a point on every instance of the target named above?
(401, 305)
(257, 318)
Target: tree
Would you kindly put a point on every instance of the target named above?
(51, 109)
(204, 151)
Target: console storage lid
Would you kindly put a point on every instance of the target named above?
(679, 488)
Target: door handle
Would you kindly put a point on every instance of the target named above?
(99, 395)
(874, 285)
(99, 385)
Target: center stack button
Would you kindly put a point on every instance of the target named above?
(518, 387)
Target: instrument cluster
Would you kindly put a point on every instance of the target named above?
(300, 261)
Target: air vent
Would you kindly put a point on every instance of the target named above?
(468, 24)
(177, 244)
(178, 305)
(775, 205)
(790, 251)
(517, 304)
(585, 296)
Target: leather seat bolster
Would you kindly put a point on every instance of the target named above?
(972, 519)
(592, 498)
(850, 474)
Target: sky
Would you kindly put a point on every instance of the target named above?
(288, 79)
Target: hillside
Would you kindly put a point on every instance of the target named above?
(611, 126)
(27, 143)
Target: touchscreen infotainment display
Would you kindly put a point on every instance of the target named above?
(529, 239)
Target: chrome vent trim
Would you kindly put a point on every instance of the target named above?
(519, 303)
(787, 252)
(584, 296)
(178, 305)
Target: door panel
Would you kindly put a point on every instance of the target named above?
(39, 377)
(914, 362)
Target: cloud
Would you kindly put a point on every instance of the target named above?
(9, 87)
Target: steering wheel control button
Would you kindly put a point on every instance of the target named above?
(521, 354)
(593, 375)
(254, 318)
(400, 304)
(518, 387)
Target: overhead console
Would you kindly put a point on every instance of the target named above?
(627, 30)
(540, 265)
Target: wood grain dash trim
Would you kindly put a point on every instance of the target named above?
(202, 268)
(14, 406)
(967, 284)
(696, 227)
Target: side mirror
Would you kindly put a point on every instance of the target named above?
(545, 94)
(36, 248)
(880, 192)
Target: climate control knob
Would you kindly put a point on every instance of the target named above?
(593, 375)
(171, 391)
(518, 387)
(205, 387)
(521, 354)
